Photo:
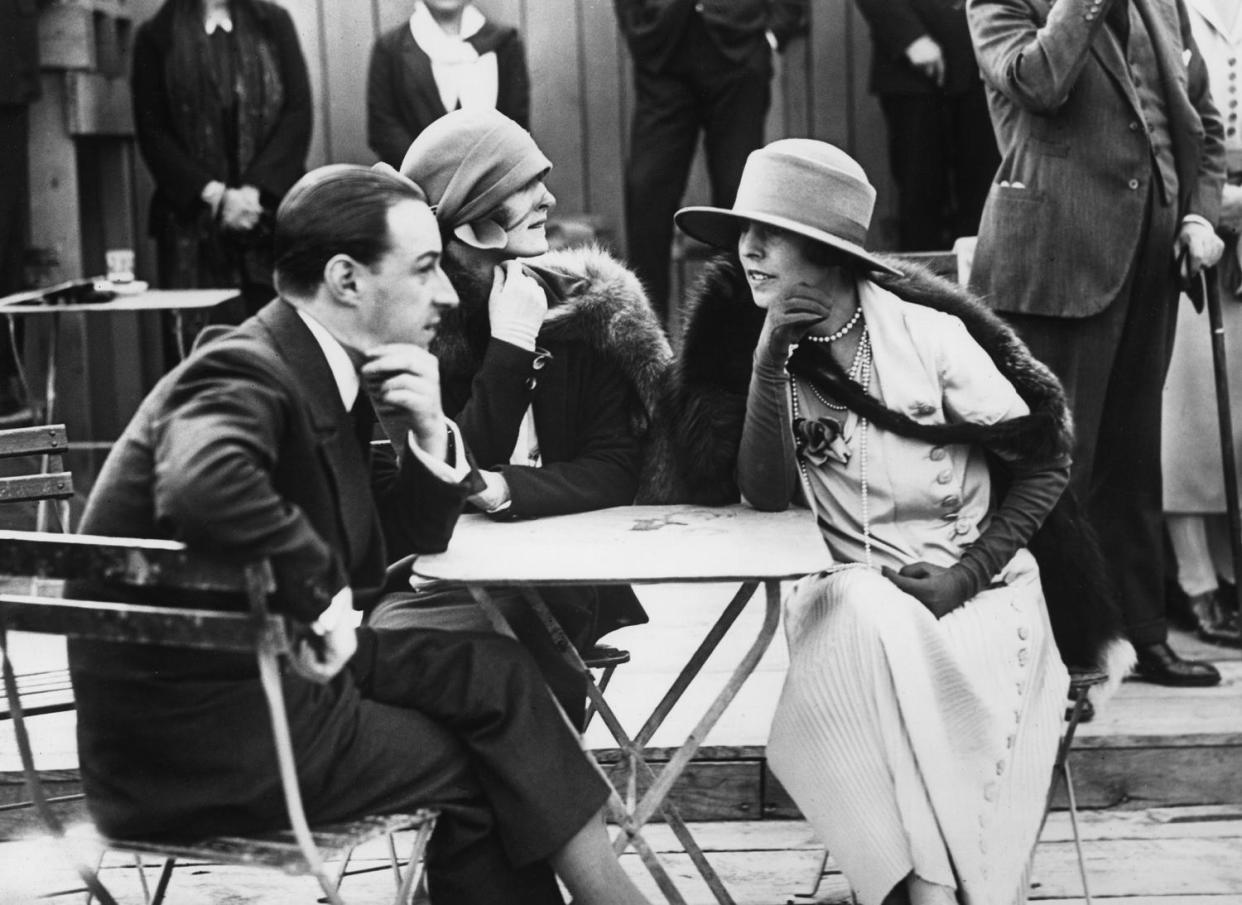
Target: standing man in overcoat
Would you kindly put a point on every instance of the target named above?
(699, 66)
(1106, 199)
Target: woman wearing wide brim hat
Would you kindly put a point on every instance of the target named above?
(921, 712)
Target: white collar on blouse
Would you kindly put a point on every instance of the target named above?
(220, 17)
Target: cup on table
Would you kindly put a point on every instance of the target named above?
(120, 263)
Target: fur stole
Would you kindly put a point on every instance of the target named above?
(705, 404)
(594, 300)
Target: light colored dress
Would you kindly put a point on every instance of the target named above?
(915, 745)
(1190, 447)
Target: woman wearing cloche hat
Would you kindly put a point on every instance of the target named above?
(550, 365)
(921, 712)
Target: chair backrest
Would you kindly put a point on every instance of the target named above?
(137, 563)
(148, 564)
(51, 482)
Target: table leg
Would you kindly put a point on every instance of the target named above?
(771, 617)
(617, 808)
(688, 673)
(632, 819)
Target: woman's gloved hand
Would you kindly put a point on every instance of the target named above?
(787, 322)
(516, 307)
(942, 590)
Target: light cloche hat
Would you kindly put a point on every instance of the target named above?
(468, 162)
(805, 186)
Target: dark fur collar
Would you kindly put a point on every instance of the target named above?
(593, 299)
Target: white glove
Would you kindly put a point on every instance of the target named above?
(516, 306)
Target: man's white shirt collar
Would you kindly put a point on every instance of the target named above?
(348, 384)
(343, 371)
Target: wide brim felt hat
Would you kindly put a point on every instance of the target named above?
(805, 186)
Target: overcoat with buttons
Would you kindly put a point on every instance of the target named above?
(1065, 215)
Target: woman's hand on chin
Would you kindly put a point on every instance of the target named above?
(942, 590)
(787, 322)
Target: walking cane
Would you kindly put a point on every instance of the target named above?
(1211, 294)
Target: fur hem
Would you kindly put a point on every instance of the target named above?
(1117, 660)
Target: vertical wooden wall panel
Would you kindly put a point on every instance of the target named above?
(603, 139)
(795, 90)
(832, 72)
(306, 18)
(349, 32)
(552, 37)
(392, 13)
(869, 142)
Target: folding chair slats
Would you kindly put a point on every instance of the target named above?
(126, 561)
(46, 691)
(278, 849)
(54, 486)
(33, 441)
(133, 623)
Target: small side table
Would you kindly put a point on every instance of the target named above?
(178, 301)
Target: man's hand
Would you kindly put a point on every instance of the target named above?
(942, 590)
(241, 208)
(517, 306)
(1197, 246)
(926, 56)
(404, 384)
(334, 643)
(1231, 208)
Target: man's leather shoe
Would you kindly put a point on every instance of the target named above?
(1159, 663)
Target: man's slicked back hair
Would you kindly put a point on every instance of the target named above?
(335, 209)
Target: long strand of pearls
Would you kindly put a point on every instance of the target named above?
(860, 372)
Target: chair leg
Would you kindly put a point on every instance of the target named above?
(142, 879)
(340, 877)
(604, 679)
(392, 857)
(90, 896)
(819, 878)
(414, 871)
(1073, 812)
(161, 884)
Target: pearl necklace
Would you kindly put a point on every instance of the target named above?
(860, 372)
(861, 354)
(833, 337)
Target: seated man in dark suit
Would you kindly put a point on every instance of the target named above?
(257, 445)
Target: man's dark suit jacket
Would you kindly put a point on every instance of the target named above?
(896, 24)
(244, 449)
(402, 98)
(652, 28)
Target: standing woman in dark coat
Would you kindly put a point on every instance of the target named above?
(222, 105)
(446, 57)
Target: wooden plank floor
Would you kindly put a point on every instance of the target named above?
(1151, 746)
(1170, 856)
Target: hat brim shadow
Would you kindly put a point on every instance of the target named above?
(721, 228)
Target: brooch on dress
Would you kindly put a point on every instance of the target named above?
(821, 439)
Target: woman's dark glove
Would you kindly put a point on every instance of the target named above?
(942, 590)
